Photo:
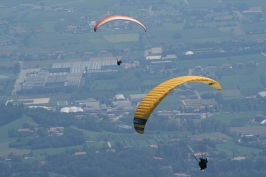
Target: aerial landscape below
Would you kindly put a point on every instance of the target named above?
(81, 80)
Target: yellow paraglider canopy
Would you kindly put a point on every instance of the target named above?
(156, 95)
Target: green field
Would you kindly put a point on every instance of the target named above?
(49, 26)
(250, 130)
(243, 82)
(51, 151)
(228, 117)
(122, 37)
(164, 28)
(14, 125)
(5, 140)
(232, 149)
(229, 147)
(136, 140)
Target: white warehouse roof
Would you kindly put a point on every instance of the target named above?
(120, 97)
(262, 94)
(71, 109)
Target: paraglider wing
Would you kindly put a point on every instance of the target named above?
(117, 17)
(156, 95)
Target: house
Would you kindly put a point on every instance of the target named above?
(181, 175)
(156, 57)
(21, 130)
(158, 158)
(239, 158)
(189, 53)
(111, 150)
(61, 104)
(119, 97)
(226, 66)
(262, 94)
(80, 153)
(171, 56)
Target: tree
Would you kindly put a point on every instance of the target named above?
(16, 69)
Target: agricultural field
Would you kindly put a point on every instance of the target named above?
(231, 117)
(235, 82)
(99, 139)
(14, 125)
(121, 37)
(5, 140)
(54, 32)
(233, 150)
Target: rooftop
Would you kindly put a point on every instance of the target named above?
(120, 97)
(137, 96)
(262, 94)
(79, 67)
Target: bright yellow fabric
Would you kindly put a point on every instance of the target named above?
(156, 95)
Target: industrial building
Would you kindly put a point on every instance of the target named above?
(63, 76)
(72, 109)
(44, 81)
(135, 98)
(80, 67)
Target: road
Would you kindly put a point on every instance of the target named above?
(190, 149)
(263, 54)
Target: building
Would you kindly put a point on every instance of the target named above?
(153, 53)
(93, 106)
(262, 94)
(136, 97)
(44, 81)
(156, 50)
(72, 109)
(90, 66)
(226, 66)
(160, 62)
(22, 130)
(189, 53)
(172, 56)
(123, 105)
(61, 104)
(155, 57)
(239, 158)
(80, 153)
(119, 97)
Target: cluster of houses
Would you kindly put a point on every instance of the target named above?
(53, 131)
(118, 104)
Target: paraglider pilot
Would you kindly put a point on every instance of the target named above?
(203, 163)
(118, 62)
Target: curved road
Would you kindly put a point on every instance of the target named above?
(190, 71)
